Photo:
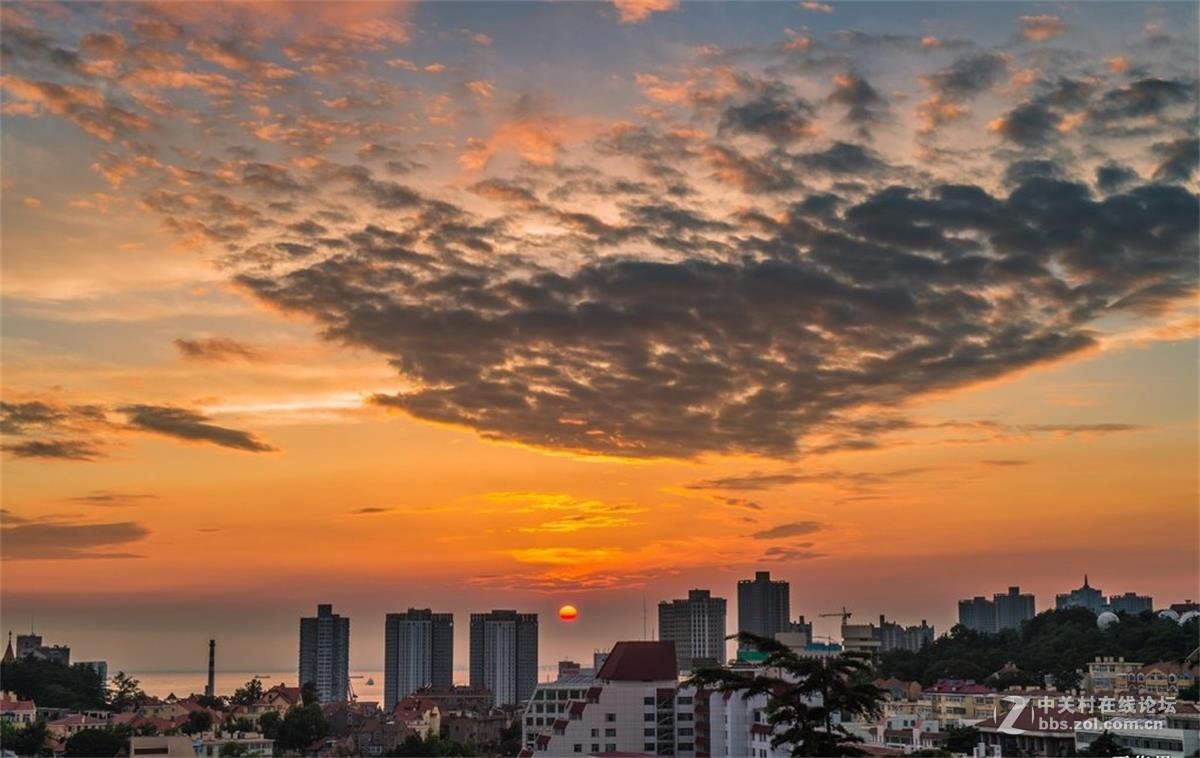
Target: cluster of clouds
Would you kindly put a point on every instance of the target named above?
(592, 288)
(82, 432)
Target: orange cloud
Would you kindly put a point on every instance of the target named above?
(635, 11)
(1041, 28)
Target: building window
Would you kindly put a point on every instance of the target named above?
(648, 747)
(595, 747)
(610, 747)
(595, 732)
(610, 732)
(610, 717)
(684, 700)
(578, 748)
(648, 732)
(648, 700)
(649, 716)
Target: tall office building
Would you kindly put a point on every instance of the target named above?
(978, 614)
(325, 654)
(697, 627)
(504, 654)
(418, 652)
(1013, 608)
(764, 606)
(1086, 596)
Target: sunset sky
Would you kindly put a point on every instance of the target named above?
(508, 305)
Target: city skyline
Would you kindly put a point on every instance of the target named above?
(548, 664)
(471, 306)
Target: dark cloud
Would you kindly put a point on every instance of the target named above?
(775, 113)
(109, 498)
(800, 552)
(793, 529)
(865, 107)
(35, 540)
(369, 511)
(185, 424)
(65, 450)
(1113, 176)
(968, 76)
(843, 158)
(1179, 159)
(216, 349)
(1107, 428)
(701, 353)
(740, 502)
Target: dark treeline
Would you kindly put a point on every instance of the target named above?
(1055, 643)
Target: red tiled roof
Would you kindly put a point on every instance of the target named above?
(413, 708)
(1168, 667)
(9, 705)
(640, 661)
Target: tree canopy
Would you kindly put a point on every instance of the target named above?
(806, 698)
(50, 684)
(1058, 643)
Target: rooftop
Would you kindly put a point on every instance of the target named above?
(640, 661)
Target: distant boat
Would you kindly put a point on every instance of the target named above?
(370, 682)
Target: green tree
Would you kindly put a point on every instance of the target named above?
(248, 694)
(962, 739)
(308, 693)
(301, 726)
(1190, 692)
(1106, 745)
(240, 724)
(51, 684)
(268, 724)
(97, 743)
(803, 702)
(234, 749)
(27, 740)
(197, 721)
(125, 692)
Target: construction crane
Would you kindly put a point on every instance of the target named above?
(845, 614)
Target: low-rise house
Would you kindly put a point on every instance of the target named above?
(459, 698)
(1162, 679)
(378, 737)
(1108, 674)
(959, 700)
(418, 715)
(64, 727)
(14, 711)
(898, 689)
(470, 727)
(1034, 731)
(210, 745)
(159, 746)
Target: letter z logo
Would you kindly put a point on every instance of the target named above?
(1010, 718)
